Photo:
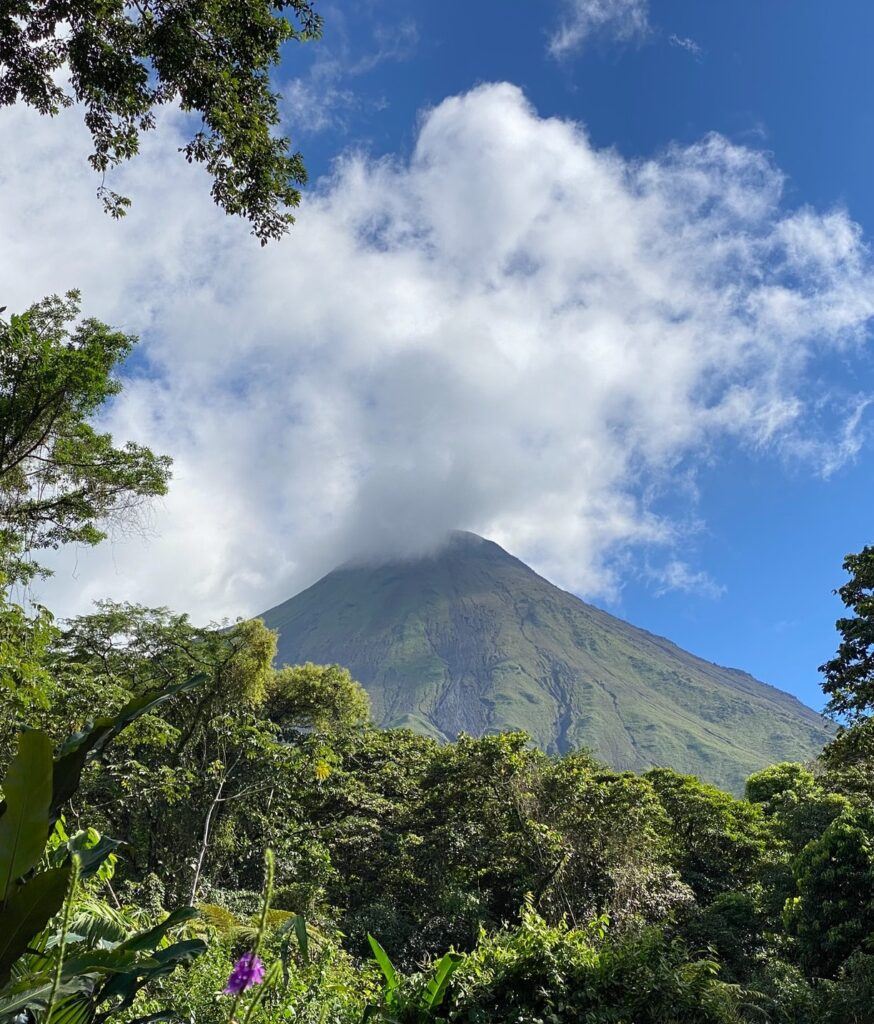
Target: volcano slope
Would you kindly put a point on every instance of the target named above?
(470, 639)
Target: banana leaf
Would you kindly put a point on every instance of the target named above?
(386, 966)
(125, 986)
(24, 825)
(27, 912)
(435, 990)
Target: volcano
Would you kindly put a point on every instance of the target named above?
(470, 639)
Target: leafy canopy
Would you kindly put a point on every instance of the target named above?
(849, 676)
(124, 60)
(60, 479)
(833, 913)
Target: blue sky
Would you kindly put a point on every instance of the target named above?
(793, 79)
(590, 277)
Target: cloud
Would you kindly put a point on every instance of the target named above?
(323, 99)
(512, 332)
(677, 575)
(687, 44)
(622, 20)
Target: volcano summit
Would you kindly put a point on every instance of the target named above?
(470, 639)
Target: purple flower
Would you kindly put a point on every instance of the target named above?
(247, 971)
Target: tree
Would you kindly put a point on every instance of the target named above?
(316, 697)
(718, 842)
(849, 676)
(613, 851)
(246, 761)
(561, 974)
(833, 913)
(849, 762)
(172, 779)
(61, 480)
(25, 682)
(796, 804)
(125, 60)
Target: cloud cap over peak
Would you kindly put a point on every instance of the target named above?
(513, 332)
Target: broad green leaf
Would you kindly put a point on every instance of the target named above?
(92, 857)
(91, 962)
(151, 938)
(96, 924)
(27, 912)
(83, 746)
(15, 999)
(75, 1009)
(24, 826)
(385, 965)
(162, 962)
(106, 961)
(303, 939)
(435, 990)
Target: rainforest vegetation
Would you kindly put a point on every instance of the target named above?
(190, 833)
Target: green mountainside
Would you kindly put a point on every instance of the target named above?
(472, 640)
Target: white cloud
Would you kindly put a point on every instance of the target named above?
(323, 98)
(676, 574)
(512, 332)
(687, 44)
(583, 19)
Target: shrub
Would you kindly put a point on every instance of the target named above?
(562, 974)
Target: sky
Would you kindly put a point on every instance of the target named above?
(592, 278)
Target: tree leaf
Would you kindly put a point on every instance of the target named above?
(164, 961)
(92, 857)
(303, 939)
(151, 938)
(83, 746)
(96, 924)
(75, 1009)
(24, 826)
(78, 974)
(385, 965)
(27, 912)
(19, 997)
(435, 990)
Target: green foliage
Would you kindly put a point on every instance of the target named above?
(75, 970)
(538, 972)
(718, 842)
(122, 62)
(799, 807)
(25, 681)
(849, 682)
(849, 676)
(324, 987)
(222, 771)
(849, 999)
(613, 846)
(27, 789)
(833, 912)
(61, 480)
(848, 762)
(417, 1000)
(772, 783)
(316, 698)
